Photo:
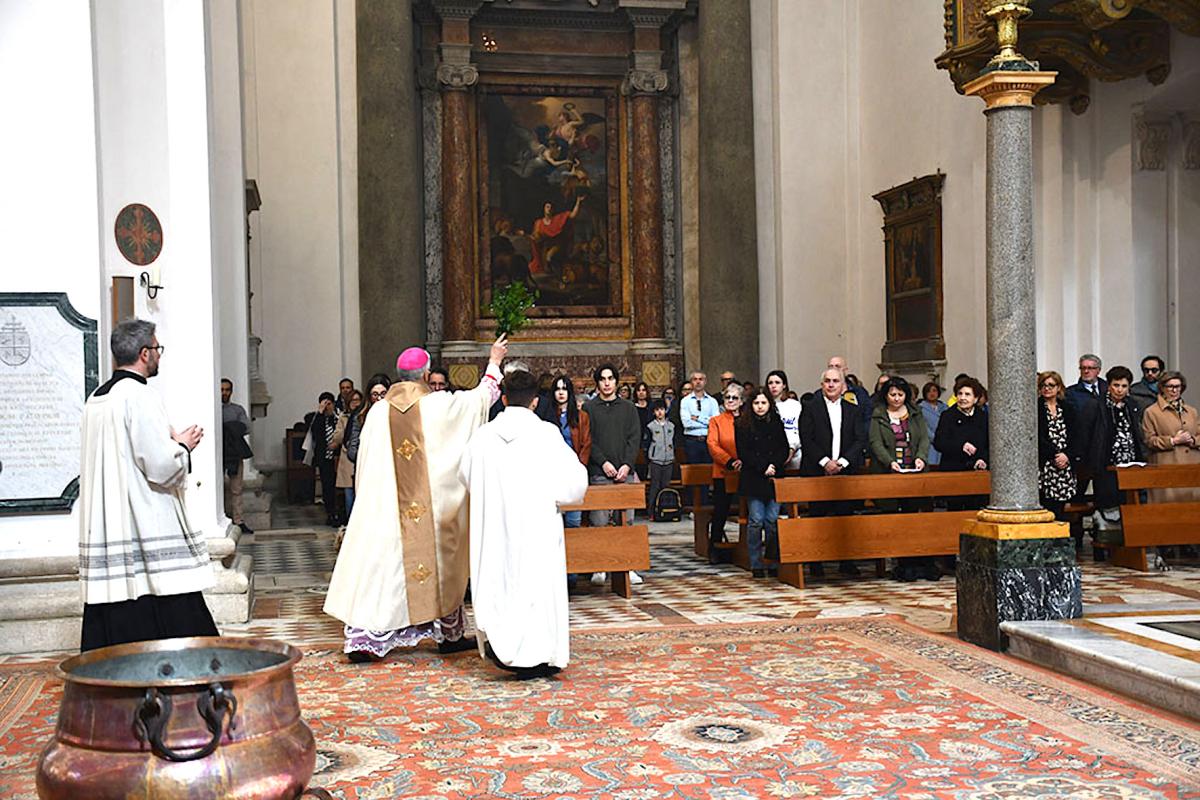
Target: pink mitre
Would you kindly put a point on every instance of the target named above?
(413, 358)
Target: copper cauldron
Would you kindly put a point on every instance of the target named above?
(206, 717)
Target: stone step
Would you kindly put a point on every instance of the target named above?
(40, 635)
(36, 600)
(1109, 660)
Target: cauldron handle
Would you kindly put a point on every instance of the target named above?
(154, 712)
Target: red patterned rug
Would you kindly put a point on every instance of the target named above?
(837, 708)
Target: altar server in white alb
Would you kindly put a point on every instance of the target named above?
(519, 470)
(402, 570)
(141, 566)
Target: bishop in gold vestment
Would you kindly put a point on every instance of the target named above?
(403, 566)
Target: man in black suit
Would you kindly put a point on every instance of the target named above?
(1086, 400)
(1091, 386)
(832, 442)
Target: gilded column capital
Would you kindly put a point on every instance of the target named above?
(1003, 88)
(644, 81)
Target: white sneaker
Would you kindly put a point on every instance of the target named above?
(634, 578)
(599, 578)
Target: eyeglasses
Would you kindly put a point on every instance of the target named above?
(733, 397)
(1049, 385)
(1151, 369)
(157, 348)
(1175, 386)
(1088, 368)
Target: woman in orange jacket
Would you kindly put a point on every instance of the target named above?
(722, 446)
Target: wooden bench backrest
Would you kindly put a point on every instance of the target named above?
(615, 497)
(695, 474)
(887, 485)
(1163, 476)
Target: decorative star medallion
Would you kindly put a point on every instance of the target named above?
(407, 449)
(421, 573)
(414, 511)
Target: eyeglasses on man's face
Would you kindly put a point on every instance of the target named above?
(158, 348)
(1154, 370)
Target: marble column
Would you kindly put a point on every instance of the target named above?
(456, 76)
(458, 291)
(647, 216)
(644, 84)
(1015, 562)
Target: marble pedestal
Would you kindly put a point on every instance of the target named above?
(1014, 572)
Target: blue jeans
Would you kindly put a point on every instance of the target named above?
(763, 516)
(349, 490)
(572, 519)
(696, 452)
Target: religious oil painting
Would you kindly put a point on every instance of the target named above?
(912, 227)
(549, 176)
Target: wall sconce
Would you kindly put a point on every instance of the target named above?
(489, 44)
(151, 281)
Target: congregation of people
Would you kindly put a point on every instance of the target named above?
(625, 432)
(406, 457)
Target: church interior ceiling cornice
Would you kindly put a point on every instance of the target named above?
(1082, 40)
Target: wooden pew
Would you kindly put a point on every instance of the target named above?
(1152, 524)
(613, 549)
(695, 477)
(871, 536)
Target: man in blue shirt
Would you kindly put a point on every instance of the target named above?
(695, 410)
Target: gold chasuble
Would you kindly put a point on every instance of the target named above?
(404, 559)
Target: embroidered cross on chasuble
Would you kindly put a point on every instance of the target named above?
(429, 589)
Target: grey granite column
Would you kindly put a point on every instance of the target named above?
(1015, 562)
(1011, 341)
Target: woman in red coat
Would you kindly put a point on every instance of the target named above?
(722, 446)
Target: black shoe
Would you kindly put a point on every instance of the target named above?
(361, 657)
(931, 572)
(904, 574)
(759, 573)
(849, 569)
(816, 570)
(456, 646)
(539, 671)
(245, 528)
(773, 572)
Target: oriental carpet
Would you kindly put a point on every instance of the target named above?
(868, 707)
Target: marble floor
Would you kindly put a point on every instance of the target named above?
(293, 562)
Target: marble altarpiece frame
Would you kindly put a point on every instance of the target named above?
(912, 228)
(548, 148)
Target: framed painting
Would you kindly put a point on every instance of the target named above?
(912, 229)
(550, 203)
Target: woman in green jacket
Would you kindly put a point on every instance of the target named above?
(899, 442)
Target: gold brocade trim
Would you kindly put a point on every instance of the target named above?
(1002, 517)
(1000, 88)
(414, 499)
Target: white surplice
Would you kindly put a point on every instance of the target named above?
(518, 470)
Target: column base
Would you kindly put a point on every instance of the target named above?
(1014, 571)
(651, 347)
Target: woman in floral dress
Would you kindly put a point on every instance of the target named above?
(1056, 477)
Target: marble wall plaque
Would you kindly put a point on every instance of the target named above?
(48, 366)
